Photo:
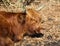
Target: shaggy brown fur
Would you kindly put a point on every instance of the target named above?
(14, 25)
